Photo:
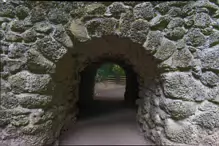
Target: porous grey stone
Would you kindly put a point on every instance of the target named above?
(166, 49)
(4, 122)
(13, 37)
(160, 22)
(202, 20)
(189, 23)
(163, 7)
(61, 36)
(207, 31)
(209, 119)
(192, 49)
(179, 109)
(209, 79)
(14, 65)
(179, 132)
(207, 106)
(181, 59)
(176, 22)
(43, 27)
(5, 114)
(207, 4)
(18, 26)
(164, 141)
(196, 69)
(29, 36)
(33, 101)
(8, 113)
(8, 100)
(34, 130)
(131, 3)
(125, 23)
(102, 26)
(17, 50)
(37, 14)
(115, 9)
(78, 13)
(30, 83)
(210, 139)
(20, 120)
(4, 21)
(139, 30)
(57, 16)
(214, 39)
(37, 63)
(41, 117)
(181, 44)
(22, 12)
(7, 10)
(210, 59)
(175, 12)
(95, 9)
(216, 99)
(144, 11)
(178, 3)
(175, 34)
(214, 94)
(9, 133)
(5, 86)
(153, 41)
(195, 38)
(183, 86)
(202, 10)
(51, 49)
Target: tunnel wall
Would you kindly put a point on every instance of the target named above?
(86, 86)
(172, 45)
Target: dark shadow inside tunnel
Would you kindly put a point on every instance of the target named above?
(89, 106)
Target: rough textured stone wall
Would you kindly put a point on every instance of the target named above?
(173, 47)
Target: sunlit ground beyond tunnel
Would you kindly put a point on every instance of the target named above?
(107, 121)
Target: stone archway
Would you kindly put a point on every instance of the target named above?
(113, 48)
(172, 46)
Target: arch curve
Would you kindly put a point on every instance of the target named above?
(171, 46)
(122, 51)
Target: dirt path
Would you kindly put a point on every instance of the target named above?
(109, 122)
(118, 128)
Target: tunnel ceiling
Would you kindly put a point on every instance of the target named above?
(171, 45)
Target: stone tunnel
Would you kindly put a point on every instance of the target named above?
(50, 51)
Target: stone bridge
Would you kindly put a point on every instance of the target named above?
(50, 52)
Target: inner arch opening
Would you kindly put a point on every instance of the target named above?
(89, 102)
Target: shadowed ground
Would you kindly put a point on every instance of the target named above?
(108, 122)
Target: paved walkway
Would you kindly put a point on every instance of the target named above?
(109, 122)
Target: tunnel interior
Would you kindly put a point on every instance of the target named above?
(109, 116)
(88, 106)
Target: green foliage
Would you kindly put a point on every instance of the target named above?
(118, 70)
(107, 70)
